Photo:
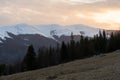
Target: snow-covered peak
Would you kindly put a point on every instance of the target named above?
(83, 29)
(47, 30)
(50, 30)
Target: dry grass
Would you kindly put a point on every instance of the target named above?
(95, 68)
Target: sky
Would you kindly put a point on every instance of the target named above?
(97, 13)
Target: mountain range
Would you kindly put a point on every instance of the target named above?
(15, 39)
(47, 30)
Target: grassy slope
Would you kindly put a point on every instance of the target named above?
(95, 68)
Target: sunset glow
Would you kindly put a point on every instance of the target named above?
(108, 16)
(97, 13)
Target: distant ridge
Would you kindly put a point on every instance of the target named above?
(47, 30)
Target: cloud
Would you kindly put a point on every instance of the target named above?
(65, 12)
(84, 1)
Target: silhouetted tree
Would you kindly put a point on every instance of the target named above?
(29, 62)
(64, 53)
(40, 58)
(2, 69)
(72, 48)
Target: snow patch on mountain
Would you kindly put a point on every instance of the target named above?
(53, 29)
(48, 30)
(83, 30)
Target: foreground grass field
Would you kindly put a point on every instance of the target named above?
(101, 67)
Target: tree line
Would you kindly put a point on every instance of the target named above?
(64, 52)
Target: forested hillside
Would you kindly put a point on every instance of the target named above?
(100, 67)
(64, 52)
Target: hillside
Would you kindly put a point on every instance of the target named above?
(101, 67)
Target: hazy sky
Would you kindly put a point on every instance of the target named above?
(98, 13)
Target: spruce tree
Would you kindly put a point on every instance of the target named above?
(72, 48)
(2, 69)
(40, 58)
(29, 62)
(64, 53)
